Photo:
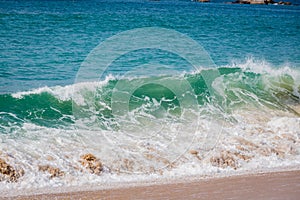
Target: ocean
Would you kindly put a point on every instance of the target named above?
(112, 91)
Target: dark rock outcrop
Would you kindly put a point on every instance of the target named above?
(261, 2)
(91, 163)
(9, 173)
(53, 171)
(203, 1)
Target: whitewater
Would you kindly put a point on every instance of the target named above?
(251, 123)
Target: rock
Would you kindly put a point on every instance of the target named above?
(240, 2)
(265, 151)
(239, 147)
(195, 153)
(269, 1)
(243, 156)
(226, 159)
(10, 174)
(247, 143)
(128, 164)
(53, 171)
(279, 153)
(289, 137)
(49, 158)
(91, 163)
(158, 158)
(260, 2)
(277, 137)
(284, 3)
(89, 157)
(257, 1)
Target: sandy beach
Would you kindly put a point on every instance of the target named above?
(271, 185)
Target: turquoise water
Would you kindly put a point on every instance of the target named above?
(248, 83)
(44, 42)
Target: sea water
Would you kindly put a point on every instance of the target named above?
(149, 113)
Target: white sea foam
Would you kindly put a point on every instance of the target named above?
(249, 65)
(273, 131)
(251, 138)
(67, 92)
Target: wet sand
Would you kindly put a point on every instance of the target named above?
(272, 185)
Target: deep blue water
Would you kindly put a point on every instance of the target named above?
(43, 43)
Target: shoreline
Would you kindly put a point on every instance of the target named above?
(278, 184)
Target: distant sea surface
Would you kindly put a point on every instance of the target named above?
(44, 42)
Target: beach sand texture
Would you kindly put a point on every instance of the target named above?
(272, 185)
